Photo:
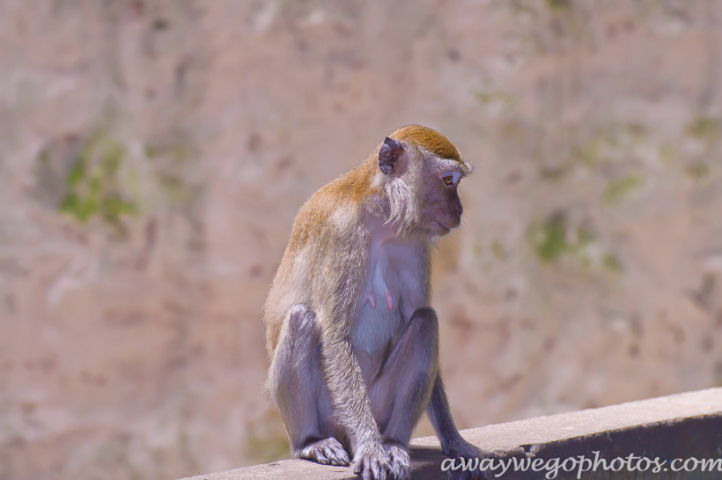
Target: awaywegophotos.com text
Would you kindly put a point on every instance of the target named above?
(580, 464)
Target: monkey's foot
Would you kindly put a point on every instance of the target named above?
(399, 463)
(460, 448)
(326, 452)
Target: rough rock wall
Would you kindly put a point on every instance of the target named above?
(153, 154)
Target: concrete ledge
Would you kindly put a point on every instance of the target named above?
(677, 426)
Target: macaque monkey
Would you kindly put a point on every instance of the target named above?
(353, 341)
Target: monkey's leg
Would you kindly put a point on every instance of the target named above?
(300, 392)
(402, 388)
(452, 443)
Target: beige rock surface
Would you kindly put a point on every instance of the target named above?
(153, 154)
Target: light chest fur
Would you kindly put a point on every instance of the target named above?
(394, 288)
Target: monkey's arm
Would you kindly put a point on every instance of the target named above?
(343, 277)
(347, 388)
(351, 401)
(440, 415)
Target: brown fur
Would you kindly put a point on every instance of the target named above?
(431, 140)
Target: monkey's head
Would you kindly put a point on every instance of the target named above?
(419, 170)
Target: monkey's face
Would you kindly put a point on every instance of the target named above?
(441, 202)
(421, 178)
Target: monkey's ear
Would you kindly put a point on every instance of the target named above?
(389, 155)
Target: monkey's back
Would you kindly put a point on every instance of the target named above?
(326, 224)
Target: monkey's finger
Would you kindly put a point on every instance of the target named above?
(358, 468)
(334, 456)
(399, 462)
(326, 452)
(321, 457)
(367, 474)
(337, 455)
(380, 471)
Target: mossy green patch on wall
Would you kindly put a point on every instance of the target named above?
(178, 152)
(697, 170)
(558, 4)
(704, 128)
(93, 185)
(504, 99)
(549, 238)
(554, 237)
(612, 263)
(172, 168)
(617, 190)
(498, 250)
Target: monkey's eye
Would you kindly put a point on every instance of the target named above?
(450, 178)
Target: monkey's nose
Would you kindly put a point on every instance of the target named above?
(458, 209)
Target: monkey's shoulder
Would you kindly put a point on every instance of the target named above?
(335, 210)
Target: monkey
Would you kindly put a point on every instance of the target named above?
(353, 342)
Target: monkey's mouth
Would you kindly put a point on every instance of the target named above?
(441, 229)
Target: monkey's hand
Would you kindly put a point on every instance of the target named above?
(372, 462)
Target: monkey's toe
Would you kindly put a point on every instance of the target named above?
(400, 462)
(326, 452)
